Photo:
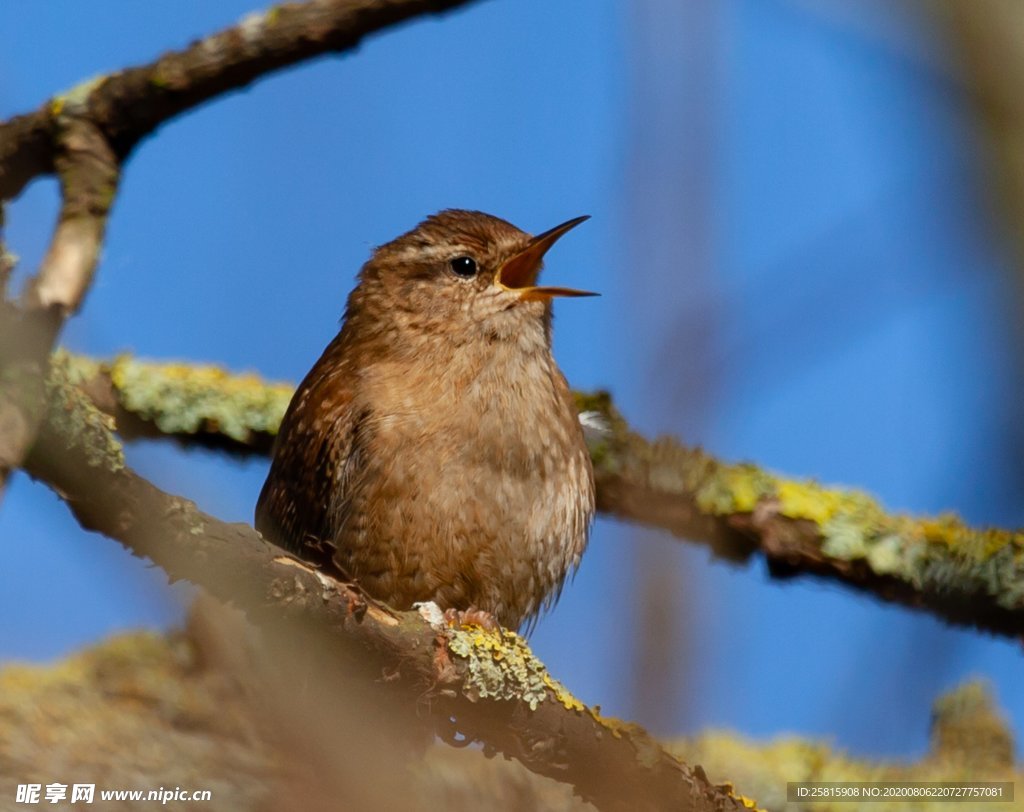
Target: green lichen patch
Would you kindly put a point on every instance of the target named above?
(725, 489)
(188, 399)
(938, 556)
(816, 503)
(501, 666)
(76, 417)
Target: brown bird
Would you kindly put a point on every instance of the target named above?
(434, 452)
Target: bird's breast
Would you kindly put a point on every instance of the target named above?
(502, 410)
(481, 486)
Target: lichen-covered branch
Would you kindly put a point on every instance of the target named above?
(129, 104)
(176, 698)
(481, 686)
(192, 403)
(965, 575)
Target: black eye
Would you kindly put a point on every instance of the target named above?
(464, 267)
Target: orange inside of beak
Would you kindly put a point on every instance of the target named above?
(519, 272)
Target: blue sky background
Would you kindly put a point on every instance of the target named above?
(799, 268)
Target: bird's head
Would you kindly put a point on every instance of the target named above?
(461, 273)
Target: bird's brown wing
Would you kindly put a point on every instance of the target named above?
(316, 463)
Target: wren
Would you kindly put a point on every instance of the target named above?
(434, 451)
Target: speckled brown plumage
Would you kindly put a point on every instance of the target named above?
(434, 451)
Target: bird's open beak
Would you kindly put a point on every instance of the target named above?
(519, 272)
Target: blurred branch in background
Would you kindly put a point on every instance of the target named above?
(988, 40)
(970, 739)
(669, 234)
(188, 699)
(965, 575)
(988, 50)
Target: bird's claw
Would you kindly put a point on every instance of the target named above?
(471, 617)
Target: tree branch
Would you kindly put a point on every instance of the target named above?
(88, 175)
(491, 685)
(128, 105)
(965, 575)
